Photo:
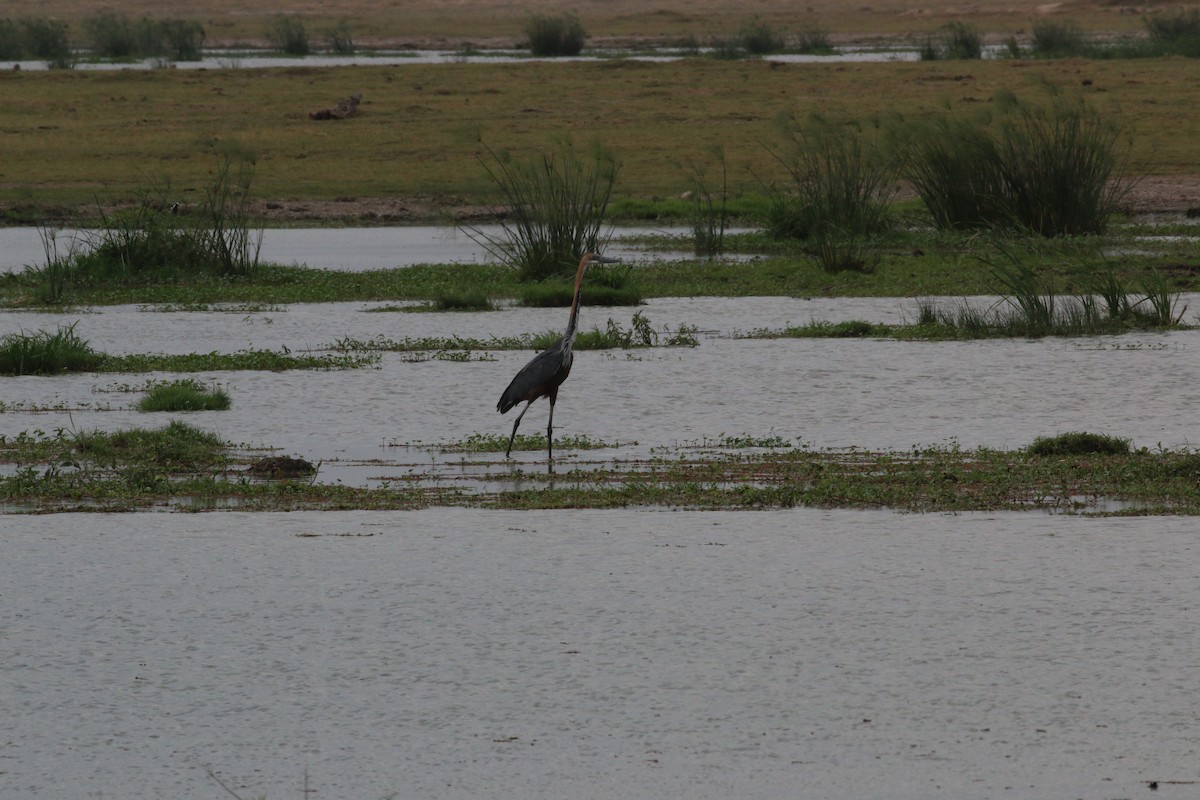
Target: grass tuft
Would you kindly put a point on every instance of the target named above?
(46, 353)
(184, 395)
(1079, 444)
(555, 35)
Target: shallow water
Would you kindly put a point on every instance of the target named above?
(343, 249)
(463, 653)
(877, 394)
(251, 60)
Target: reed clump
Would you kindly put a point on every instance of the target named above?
(288, 33)
(557, 200)
(836, 194)
(555, 35)
(112, 34)
(954, 41)
(149, 243)
(1048, 169)
(47, 353)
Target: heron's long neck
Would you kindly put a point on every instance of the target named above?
(569, 336)
(574, 320)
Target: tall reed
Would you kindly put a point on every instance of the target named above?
(1051, 169)
(555, 34)
(557, 201)
(838, 191)
(710, 205)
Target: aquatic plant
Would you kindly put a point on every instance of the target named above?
(557, 201)
(954, 41)
(184, 395)
(555, 34)
(1078, 443)
(288, 33)
(839, 191)
(710, 205)
(47, 353)
(1047, 169)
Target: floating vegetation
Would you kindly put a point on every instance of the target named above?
(181, 466)
(640, 333)
(184, 395)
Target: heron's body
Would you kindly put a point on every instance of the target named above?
(542, 376)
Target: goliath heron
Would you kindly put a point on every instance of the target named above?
(542, 376)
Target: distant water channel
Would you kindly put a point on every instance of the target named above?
(241, 59)
(348, 249)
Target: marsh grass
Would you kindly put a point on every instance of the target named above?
(178, 447)
(555, 34)
(113, 34)
(184, 395)
(46, 353)
(46, 39)
(710, 205)
(1078, 444)
(1058, 39)
(1049, 168)
(838, 194)
(605, 286)
(759, 38)
(466, 300)
(954, 41)
(557, 201)
(288, 34)
(146, 244)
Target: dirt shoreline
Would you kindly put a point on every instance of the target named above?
(1152, 194)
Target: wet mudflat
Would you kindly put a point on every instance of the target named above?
(466, 653)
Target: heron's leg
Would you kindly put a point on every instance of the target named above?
(553, 396)
(516, 422)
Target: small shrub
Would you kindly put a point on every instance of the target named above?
(287, 33)
(184, 395)
(340, 40)
(955, 41)
(1047, 169)
(12, 44)
(555, 35)
(182, 40)
(47, 39)
(840, 192)
(1173, 27)
(1078, 444)
(45, 353)
(1058, 39)
(814, 41)
(758, 38)
(110, 34)
(709, 207)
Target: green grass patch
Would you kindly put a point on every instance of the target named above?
(1079, 443)
(46, 353)
(184, 395)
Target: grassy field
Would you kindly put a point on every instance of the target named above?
(503, 21)
(73, 137)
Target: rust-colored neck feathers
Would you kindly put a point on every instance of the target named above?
(583, 265)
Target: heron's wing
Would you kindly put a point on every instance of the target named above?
(545, 371)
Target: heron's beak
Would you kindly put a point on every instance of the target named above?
(598, 259)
